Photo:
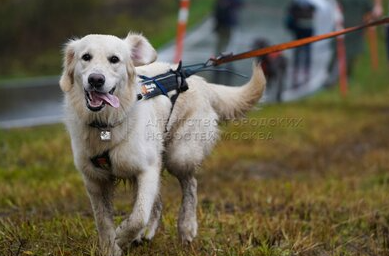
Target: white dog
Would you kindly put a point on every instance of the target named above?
(114, 135)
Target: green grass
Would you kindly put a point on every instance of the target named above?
(310, 178)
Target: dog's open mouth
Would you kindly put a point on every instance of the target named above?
(96, 101)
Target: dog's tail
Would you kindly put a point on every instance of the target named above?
(232, 102)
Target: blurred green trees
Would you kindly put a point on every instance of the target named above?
(32, 32)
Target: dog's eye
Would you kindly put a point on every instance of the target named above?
(113, 59)
(86, 57)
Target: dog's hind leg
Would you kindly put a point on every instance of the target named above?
(187, 220)
(187, 217)
(101, 194)
(190, 143)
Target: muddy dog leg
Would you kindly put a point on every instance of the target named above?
(101, 194)
(154, 219)
(149, 231)
(187, 220)
(130, 228)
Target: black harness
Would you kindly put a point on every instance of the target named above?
(170, 84)
(102, 161)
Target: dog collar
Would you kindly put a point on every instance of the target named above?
(101, 126)
(105, 129)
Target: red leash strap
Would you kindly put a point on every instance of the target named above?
(293, 44)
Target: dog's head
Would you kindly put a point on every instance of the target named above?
(102, 67)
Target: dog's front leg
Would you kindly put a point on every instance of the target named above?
(129, 229)
(101, 194)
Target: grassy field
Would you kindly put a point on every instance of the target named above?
(303, 178)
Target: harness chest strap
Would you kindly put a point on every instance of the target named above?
(102, 161)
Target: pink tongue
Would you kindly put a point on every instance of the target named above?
(110, 99)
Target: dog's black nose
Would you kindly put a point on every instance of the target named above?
(96, 80)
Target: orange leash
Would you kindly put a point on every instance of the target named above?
(293, 44)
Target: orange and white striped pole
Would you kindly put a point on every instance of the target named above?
(183, 15)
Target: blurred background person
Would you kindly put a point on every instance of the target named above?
(355, 13)
(300, 22)
(378, 10)
(329, 18)
(226, 18)
(274, 66)
(387, 36)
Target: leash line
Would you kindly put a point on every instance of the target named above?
(293, 44)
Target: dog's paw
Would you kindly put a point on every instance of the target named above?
(140, 237)
(187, 231)
(117, 251)
(152, 227)
(122, 239)
(125, 239)
(111, 250)
(146, 234)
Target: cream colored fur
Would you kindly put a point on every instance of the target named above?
(141, 147)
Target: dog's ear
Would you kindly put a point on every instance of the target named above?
(67, 79)
(142, 52)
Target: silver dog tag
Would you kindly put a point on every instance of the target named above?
(105, 135)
